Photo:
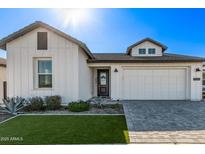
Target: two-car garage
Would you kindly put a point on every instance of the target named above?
(147, 72)
(155, 83)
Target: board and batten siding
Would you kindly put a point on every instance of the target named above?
(65, 55)
(85, 77)
(146, 45)
(193, 87)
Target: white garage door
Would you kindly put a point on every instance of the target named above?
(154, 84)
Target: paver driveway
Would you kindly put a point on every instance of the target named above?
(165, 121)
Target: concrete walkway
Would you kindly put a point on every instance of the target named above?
(165, 121)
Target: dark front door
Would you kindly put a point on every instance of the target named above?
(103, 82)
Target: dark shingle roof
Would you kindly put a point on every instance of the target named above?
(37, 24)
(3, 62)
(124, 58)
(104, 57)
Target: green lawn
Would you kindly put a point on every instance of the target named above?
(64, 129)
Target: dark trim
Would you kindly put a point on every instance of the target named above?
(124, 58)
(3, 65)
(5, 89)
(141, 61)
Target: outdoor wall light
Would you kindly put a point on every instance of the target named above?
(116, 70)
(198, 70)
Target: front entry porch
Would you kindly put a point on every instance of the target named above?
(101, 82)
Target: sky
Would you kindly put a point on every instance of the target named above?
(113, 30)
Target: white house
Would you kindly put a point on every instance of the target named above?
(42, 61)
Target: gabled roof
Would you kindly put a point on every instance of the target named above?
(125, 58)
(104, 57)
(37, 24)
(146, 39)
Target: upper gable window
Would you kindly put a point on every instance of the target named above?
(142, 51)
(151, 51)
(42, 41)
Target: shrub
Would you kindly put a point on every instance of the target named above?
(53, 102)
(78, 106)
(36, 104)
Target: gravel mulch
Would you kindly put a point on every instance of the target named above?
(4, 116)
(93, 110)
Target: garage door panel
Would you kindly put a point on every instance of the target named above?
(154, 84)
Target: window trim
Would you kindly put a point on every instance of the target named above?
(36, 76)
(142, 49)
(153, 50)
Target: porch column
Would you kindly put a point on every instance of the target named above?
(116, 82)
(196, 82)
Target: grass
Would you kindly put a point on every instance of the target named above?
(65, 129)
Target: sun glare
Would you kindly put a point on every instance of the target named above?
(74, 17)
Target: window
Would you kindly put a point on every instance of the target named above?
(42, 41)
(151, 51)
(103, 78)
(142, 51)
(44, 73)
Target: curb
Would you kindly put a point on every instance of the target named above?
(70, 114)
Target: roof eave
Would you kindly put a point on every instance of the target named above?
(3, 47)
(141, 61)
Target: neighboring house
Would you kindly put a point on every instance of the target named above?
(42, 61)
(2, 79)
(203, 82)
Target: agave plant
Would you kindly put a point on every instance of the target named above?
(14, 104)
(97, 101)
